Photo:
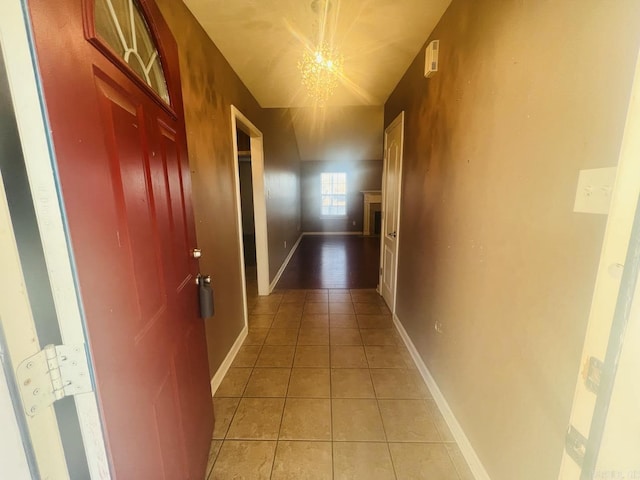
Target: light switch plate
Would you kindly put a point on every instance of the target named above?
(595, 187)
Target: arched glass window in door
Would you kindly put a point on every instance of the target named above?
(121, 24)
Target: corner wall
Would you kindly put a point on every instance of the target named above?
(282, 176)
(528, 94)
(210, 87)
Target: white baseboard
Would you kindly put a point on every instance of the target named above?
(228, 360)
(461, 439)
(284, 264)
(332, 233)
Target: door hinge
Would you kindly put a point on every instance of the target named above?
(593, 374)
(55, 372)
(576, 445)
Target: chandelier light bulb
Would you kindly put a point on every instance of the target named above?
(321, 69)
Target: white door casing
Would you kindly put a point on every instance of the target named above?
(13, 457)
(22, 342)
(620, 441)
(259, 201)
(391, 195)
(622, 211)
(21, 337)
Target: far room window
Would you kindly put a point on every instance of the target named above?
(334, 194)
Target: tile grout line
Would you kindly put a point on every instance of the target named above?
(275, 451)
(333, 467)
(454, 463)
(333, 442)
(393, 465)
(242, 396)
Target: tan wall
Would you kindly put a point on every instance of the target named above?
(282, 178)
(528, 94)
(210, 87)
(361, 175)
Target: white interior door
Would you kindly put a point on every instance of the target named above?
(391, 192)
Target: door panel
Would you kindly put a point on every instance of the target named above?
(122, 161)
(387, 277)
(138, 234)
(179, 224)
(168, 433)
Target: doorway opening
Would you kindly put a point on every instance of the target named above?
(251, 205)
(246, 203)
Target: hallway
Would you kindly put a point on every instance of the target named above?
(323, 387)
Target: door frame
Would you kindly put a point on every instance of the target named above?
(33, 126)
(36, 439)
(259, 202)
(17, 459)
(398, 120)
(610, 277)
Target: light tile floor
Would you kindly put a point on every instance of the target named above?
(324, 388)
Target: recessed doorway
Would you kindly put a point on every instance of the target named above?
(250, 201)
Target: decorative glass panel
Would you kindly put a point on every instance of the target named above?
(121, 24)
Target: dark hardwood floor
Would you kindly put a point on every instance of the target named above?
(333, 261)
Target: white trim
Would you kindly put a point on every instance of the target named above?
(13, 459)
(228, 360)
(34, 139)
(460, 437)
(284, 265)
(21, 337)
(332, 233)
(622, 211)
(259, 202)
(398, 120)
(369, 197)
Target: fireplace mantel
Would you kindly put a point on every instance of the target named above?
(370, 196)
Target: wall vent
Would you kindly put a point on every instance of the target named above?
(431, 58)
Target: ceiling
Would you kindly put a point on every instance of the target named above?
(339, 133)
(263, 41)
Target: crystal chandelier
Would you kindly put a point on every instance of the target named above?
(321, 65)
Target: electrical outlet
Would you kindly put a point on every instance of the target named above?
(354, 223)
(438, 326)
(285, 244)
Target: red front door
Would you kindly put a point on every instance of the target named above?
(122, 161)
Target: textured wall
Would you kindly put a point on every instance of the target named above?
(210, 87)
(528, 93)
(361, 175)
(282, 185)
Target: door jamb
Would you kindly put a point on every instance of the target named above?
(259, 202)
(615, 245)
(17, 459)
(398, 120)
(41, 169)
